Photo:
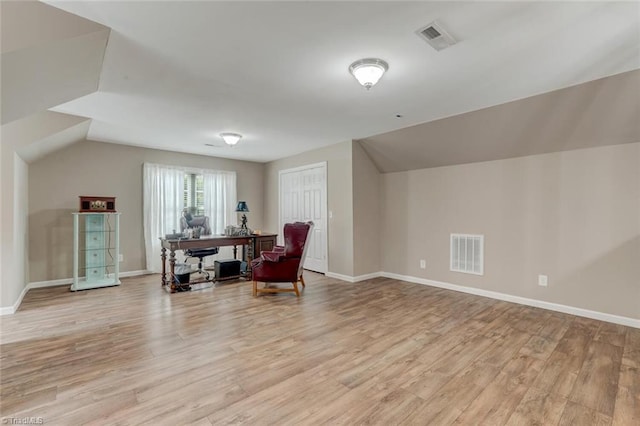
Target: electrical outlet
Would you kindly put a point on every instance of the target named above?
(423, 264)
(543, 280)
(120, 257)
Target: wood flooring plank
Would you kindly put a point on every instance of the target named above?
(342, 410)
(597, 383)
(538, 408)
(575, 414)
(627, 406)
(576, 339)
(275, 404)
(393, 408)
(555, 326)
(377, 352)
(539, 347)
(500, 398)
(614, 334)
(631, 356)
(12, 402)
(503, 349)
(559, 373)
(205, 397)
(451, 398)
(96, 412)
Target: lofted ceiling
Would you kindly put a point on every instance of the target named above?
(597, 113)
(176, 74)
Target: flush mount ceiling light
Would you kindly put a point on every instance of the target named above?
(368, 71)
(230, 138)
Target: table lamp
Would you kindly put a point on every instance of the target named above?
(243, 208)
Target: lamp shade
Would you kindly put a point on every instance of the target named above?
(368, 71)
(242, 207)
(230, 138)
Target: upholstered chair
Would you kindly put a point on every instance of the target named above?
(285, 263)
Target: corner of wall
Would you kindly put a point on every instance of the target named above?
(367, 206)
(339, 199)
(14, 235)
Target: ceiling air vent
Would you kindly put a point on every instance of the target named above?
(436, 36)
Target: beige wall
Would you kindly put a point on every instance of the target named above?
(21, 223)
(94, 168)
(339, 200)
(574, 216)
(22, 140)
(9, 290)
(366, 213)
(13, 225)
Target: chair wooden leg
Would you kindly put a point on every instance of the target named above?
(302, 281)
(255, 288)
(295, 288)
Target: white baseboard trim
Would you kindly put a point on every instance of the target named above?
(135, 273)
(351, 279)
(367, 276)
(65, 281)
(8, 310)
(340, 277)
(50, 283)
(616, 319)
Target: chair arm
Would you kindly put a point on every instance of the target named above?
(271, 256)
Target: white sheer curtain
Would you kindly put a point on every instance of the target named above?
(162, 208)
(163, 204)
(220, 199)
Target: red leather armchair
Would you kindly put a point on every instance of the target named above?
(284, 263)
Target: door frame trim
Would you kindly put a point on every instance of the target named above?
(325, 207)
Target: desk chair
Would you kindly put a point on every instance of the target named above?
(189, 221)
(201, 254)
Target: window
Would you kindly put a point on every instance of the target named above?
(169, 189)
(193, 198)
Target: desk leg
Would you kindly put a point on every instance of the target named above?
(163, 256)
(172, 268)
(248, 257)
(235, 252)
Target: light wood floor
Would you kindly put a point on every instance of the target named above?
(377, 352)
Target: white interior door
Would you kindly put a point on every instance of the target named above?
(303, 197)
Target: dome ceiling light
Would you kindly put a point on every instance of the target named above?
(230, 138)
(368, 71)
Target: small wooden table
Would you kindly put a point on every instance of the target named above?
(252, 245)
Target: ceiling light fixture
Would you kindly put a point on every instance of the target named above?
(368, 71)
(230, 138)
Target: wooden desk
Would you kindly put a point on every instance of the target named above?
(252, 245)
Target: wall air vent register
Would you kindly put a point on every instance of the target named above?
(467, 253)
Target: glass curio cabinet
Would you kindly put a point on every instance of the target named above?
(96, 248)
